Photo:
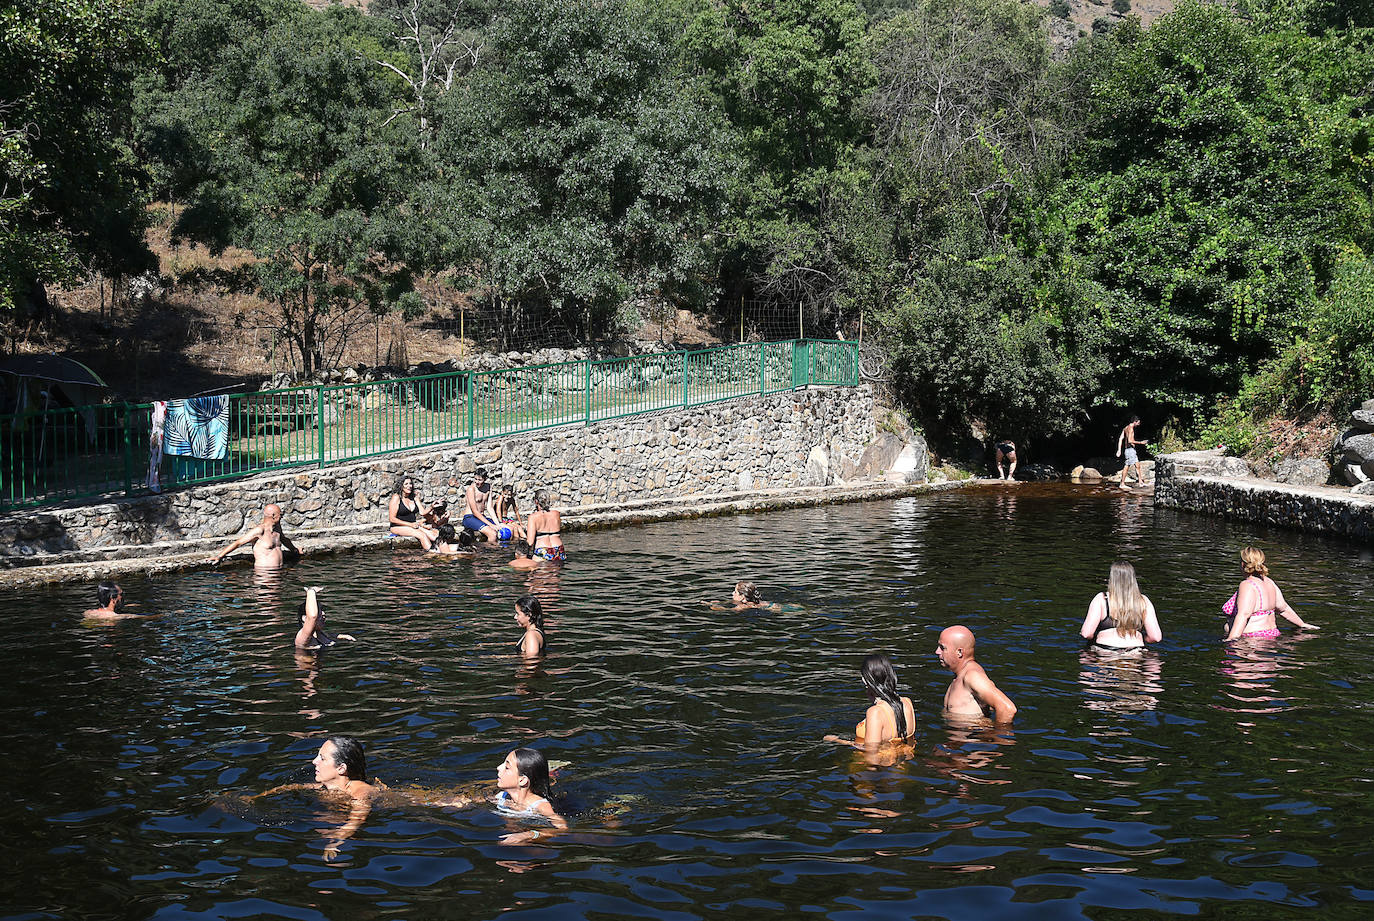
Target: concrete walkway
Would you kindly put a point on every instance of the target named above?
(94, 565)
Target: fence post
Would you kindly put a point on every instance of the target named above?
(685, 353)
(472, 397)
(763, 367)
(319, 420)
(589, 391)
(128, 451)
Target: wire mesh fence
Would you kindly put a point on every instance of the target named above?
(61, 455)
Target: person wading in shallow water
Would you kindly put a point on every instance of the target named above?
(268, 541)
(972, 691)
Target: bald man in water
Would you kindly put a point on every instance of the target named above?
(972, 691)
(268, 541)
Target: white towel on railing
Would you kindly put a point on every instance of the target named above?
(155, 444)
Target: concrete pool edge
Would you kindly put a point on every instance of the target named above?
(179, 556)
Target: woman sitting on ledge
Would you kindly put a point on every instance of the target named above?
(403, 514)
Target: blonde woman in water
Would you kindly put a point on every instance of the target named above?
(1258, 599)
(1121, 617)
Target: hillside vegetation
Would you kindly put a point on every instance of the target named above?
(1045, 217)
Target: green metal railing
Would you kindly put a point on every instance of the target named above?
(59, 455)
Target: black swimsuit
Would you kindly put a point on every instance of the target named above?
(407, 514)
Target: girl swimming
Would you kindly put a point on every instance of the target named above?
(340, 769)
(522, 790)
(530, 615)
(1257, 600)
(1121, 617)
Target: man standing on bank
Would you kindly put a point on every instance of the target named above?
(1126, 445)
(268, 541)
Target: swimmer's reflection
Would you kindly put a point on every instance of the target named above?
(1250, 670)
(1120, 680)
(267, 585)
(880, 791)
(1130, 521)
(971, 750)
(308, 667)
(1006, 505)
(546, 581)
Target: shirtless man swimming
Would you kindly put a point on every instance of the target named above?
(972, 691)
(268, 542)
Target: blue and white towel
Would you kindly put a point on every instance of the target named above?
(198, 427)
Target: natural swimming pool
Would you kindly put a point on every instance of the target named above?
(1196, 780)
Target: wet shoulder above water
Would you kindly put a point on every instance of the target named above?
(1190, 779)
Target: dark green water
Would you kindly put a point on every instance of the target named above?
(1198, 780)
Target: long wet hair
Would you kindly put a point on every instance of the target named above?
(531, 608)
(750, 591)
(1252, 561)
(1124, 601)
(532, 765)
(448, 533)
(880, 679)
(348, 754)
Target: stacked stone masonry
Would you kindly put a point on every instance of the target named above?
(753, 443)
(1206, 482)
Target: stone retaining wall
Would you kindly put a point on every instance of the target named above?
(802, 438)
(1207, 482)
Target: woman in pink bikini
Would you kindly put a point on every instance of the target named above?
(1258, 599)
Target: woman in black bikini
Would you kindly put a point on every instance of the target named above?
(404, 514)
(1121, 617)
(546, 526)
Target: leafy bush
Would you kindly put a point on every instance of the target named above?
(1122, 6)
(1060, 8)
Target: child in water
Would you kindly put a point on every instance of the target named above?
(745, 597)
(522, 789)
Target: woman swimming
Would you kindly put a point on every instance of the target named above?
(522, 790)
(890, 717)
(546, 528)
(745, 597)
(529, 614)
(1258, 599)
(310, 632)
(403, 514)
(340, 769)
(1121, 617)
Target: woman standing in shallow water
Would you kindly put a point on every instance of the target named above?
(890, 717)
(1257, 600)
(1121, 617)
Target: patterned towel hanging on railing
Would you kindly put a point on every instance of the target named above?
(198, 427)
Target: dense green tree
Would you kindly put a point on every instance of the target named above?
(304, 172)
(69, 199)
(586, 168)
(789, 75)
(1209, 201)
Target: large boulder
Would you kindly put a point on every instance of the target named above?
(1362, 420)
(1352, 474)
(880, 455)
(817, 467)
(1357, 445)
(1364, 489)
(1302, 471)
(1089, 474)
(912, 465)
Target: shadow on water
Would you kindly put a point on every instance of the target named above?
(1193, 778)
